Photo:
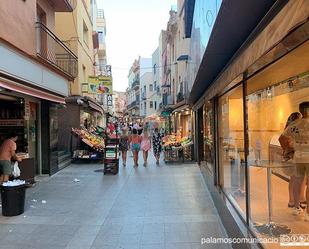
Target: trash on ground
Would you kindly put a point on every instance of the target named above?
(33, 200)
(13, 183)
(32, 206)
(76, 180)
(44, 202)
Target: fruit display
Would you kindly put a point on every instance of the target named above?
(175, 142)
(186, 141)
(91, 139)
(177, 148)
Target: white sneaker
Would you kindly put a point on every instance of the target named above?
(307, 217)
(297, 211)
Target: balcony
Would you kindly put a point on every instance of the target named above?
(54, 52)
(134, 104)
(167, 100)
(63, 5)
(135, 84)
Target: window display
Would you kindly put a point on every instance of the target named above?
(208, 141)
(231, 144)
(277, 144)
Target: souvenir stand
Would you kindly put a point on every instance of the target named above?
(91, 146)
(111, 158)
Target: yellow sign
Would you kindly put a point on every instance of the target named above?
(100, 85)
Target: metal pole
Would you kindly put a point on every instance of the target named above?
(269, 195)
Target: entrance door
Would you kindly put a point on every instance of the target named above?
(200, 134)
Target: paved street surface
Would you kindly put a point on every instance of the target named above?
(166, 207)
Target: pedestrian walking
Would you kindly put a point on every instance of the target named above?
(145, 145)
(7, 153)
(124, 145)
(157, 145)
(135, 143)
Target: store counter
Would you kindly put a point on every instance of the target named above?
(27, 169)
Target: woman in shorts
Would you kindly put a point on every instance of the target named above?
(135, 143)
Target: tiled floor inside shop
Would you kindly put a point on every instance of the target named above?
(166, 207)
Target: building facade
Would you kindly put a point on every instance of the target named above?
(36, 71)
(137, 91)
(233, 94)
(82, 105)
(147, 104)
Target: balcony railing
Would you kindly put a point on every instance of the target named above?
(63, 5)
(55, 52)
(135, 82)
(135, 103)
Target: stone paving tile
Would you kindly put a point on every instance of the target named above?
(166, 207)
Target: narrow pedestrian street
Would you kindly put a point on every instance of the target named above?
(165, 207)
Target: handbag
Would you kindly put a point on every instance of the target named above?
(16, 170)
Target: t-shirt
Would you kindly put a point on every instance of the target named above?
(299, 132)
(7, 149)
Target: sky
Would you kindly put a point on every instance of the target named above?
(133, 29)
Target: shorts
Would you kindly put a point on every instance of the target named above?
(136, 147)
(6, 167)
(302, 169)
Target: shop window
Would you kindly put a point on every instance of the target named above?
(150, 87)
(273, 96)
(85, 33)
(231, 144)
(208, 141)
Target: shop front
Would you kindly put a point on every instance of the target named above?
(79, 112)
(238, 126)
(19, 115)
(30, 116)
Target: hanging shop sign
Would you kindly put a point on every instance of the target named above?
(109, 100)
(100, 85)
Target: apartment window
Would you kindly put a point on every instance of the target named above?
(101, 37)
(85, 33)
(155, 85)
(151, 87)
(154, 68)
(155, 105)
(84, 73)
(151, 104)
(145, 106)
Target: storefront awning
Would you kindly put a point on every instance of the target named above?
(31, 91)
(234, 24)
(182, 108)
(95, 107)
